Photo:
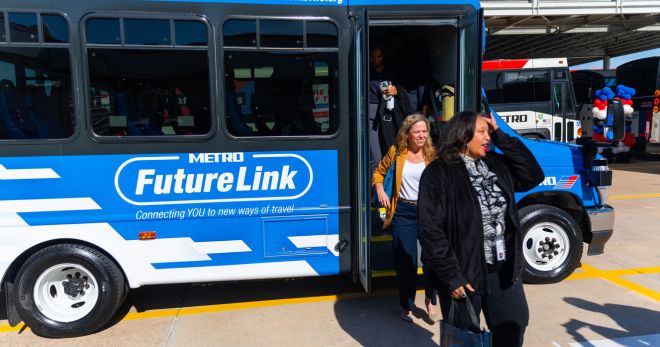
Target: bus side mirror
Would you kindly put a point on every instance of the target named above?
(616, 120)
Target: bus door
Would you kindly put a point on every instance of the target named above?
(471, 46)
(427, 31)
(362, 178)
(563, 108)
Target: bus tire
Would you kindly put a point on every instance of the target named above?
(68, 290)
(552, 244)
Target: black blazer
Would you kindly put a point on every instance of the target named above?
(450, 223)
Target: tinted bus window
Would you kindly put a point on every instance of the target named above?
(240, 33)
(281, 33)
(3, 35)
(23, 27)
(190, 33)
(516, 86)
(103, 30)
(149, 92)
(321, 34)
(585, 83)
(281, 94)
(55, 28)
(147, 31)
(35, 93)
(643, 75)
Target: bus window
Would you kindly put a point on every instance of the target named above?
(281, 33)
(35, 93)
(36, 100)
(3, 35)
(154, 92)
(277, 92)
(56, 29)
(240, 33)
(23, 27)
(321, 34)
(103, 31)
(517, 86)
(147, 31)
(190, 33)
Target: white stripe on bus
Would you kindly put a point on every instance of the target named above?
(26, 174)
(48, 205)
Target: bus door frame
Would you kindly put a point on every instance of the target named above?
(359, 107)
(475, 19)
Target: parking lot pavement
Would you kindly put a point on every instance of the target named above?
(612, 300)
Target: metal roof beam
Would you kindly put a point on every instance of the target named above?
(555, 8)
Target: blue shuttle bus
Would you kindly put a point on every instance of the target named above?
(174, 141)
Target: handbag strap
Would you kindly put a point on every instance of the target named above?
(471, 313)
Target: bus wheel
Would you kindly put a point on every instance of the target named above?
(552, 244)
(67, 290)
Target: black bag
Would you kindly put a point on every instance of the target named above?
(453, 336)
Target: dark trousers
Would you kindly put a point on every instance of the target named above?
(404, 234)
(505, 310)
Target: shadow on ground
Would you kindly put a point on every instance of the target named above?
(150, 298)
(632, 321)
(376, 322)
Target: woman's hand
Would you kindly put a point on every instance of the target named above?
(491, 122)
(383, 199)
(391, 91)
(459, 292)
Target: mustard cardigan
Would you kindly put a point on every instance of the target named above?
(380, 172)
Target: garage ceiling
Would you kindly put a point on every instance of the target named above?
(582, 31)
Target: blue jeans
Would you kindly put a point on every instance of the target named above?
(404, 234)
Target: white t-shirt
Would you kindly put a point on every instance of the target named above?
(412, 172)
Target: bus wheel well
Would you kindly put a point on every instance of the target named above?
(15, 266)
(564, 201)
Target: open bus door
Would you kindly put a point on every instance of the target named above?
(359, 105)
(471, 46)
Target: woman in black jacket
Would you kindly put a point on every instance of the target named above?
(469, 228)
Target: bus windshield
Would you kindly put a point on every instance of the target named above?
(642, 74)
(517, 86)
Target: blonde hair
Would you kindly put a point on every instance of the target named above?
(402, 135)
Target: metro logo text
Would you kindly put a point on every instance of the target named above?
(236, 157)
(190, 183)
(194, 178)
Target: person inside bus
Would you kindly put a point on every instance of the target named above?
(383, 120)
(415, 152)
(469, 227)
(155, 125)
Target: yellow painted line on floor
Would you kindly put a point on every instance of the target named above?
(381, 238)
(185, 311)
(613, 276)
(239, 306)
(636, 196)
(591, 272)
(7, 329)
(389, 273)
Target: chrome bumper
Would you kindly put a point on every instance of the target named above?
(601, 220)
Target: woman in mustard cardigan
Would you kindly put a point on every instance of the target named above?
(415, 152)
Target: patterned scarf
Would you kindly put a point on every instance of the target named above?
(492, 201)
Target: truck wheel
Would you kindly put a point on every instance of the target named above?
(67, 290)
(552, 244)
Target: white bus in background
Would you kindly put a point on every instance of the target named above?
(534, 96)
